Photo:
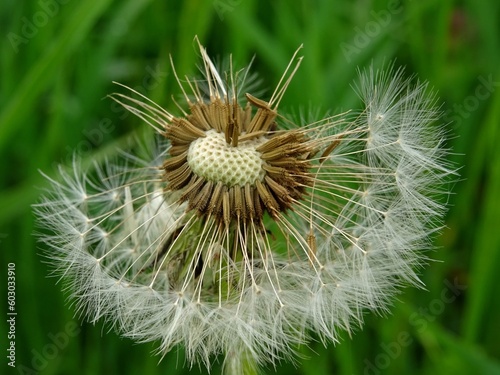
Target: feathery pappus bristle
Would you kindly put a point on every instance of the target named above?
(244, 232)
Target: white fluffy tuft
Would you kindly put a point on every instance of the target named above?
(138, 259)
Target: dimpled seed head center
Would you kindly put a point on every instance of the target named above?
(215, 160)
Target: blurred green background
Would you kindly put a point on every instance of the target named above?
(59, 58)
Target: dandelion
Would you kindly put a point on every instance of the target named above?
(240, 232)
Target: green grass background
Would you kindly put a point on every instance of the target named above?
(53, 83)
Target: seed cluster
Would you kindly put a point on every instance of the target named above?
(274, 175)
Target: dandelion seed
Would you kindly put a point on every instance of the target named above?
(243, 232)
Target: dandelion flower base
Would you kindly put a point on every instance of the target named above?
(211, 158)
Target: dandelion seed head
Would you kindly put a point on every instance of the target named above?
(240, 232)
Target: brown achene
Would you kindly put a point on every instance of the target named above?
(285, 160)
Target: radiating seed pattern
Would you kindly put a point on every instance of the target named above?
(242, 230)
